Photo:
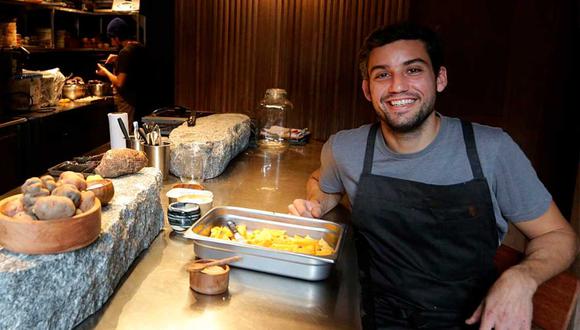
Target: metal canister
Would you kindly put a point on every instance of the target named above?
(182, 215)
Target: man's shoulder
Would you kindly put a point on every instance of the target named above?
(483, 133)
(132, 48)
(351, 136)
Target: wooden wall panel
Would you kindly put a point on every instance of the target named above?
(510, 64)
(228, 52)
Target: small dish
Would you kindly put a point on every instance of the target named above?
(103, 190)
(174, 194)
(195, 186)
(204, 198)
(210, 281)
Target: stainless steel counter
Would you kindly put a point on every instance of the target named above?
(155, 293)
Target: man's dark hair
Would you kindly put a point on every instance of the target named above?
(401, 31)
(118, 28)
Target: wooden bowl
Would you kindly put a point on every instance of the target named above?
(49, 236)
(209, 283)
(103, 189)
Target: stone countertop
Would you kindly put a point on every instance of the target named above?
(155, 293)
(58, 291)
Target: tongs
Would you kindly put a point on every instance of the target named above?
(152, 134)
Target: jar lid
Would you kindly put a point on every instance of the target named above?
(276, 93)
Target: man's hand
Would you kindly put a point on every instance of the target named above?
(552, 247)
(508, 304)
(111, 59)
(101, 70)
(305, 208)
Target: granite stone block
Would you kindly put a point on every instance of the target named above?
(219, 138)
(58, 291)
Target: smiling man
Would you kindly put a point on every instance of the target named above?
(432, 197)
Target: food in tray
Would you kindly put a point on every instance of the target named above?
(275, 239)
(45, 198)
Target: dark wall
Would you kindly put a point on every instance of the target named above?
(161, 47)
(511, 64)
(229, 52)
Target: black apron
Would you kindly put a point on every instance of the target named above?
(425, 251)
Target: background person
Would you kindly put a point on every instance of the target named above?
(129, 77)
(432, 197)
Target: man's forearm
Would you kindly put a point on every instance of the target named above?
(551, 252)
(313, 192)
(549, 255)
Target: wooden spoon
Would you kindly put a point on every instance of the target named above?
(198, 266)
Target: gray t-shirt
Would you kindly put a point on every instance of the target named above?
(516, 192)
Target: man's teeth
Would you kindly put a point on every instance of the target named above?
(401, 102)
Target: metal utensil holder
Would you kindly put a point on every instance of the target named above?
(158, 156)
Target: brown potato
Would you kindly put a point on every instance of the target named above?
(53, 207)
(87, 200)
(70, 191)
(48, 182)
(80, 183)
(29, 182)
(13, 207)
(28, 199)
(70, 173)
(32, 188)
(50, 185)
(47, 177)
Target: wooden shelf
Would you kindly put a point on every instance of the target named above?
(39, 50)
(48, 5)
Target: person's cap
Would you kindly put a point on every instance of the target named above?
(118, 28)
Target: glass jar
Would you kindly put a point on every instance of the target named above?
(272, 115)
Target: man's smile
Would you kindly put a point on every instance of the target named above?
(401, 102)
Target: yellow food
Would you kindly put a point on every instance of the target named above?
(94, 177)
(276, 239)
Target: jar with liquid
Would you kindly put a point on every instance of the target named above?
(272, 115)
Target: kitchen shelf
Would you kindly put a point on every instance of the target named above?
(48, 5)
(54, 8)
(35, 50)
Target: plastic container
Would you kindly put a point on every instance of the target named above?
(272, 114)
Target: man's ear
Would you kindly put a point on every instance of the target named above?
(366, 89)
(442, 79)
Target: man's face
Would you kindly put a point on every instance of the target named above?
(402, 85)
(115, 41)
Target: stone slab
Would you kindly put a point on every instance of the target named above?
(219, 138)
(58, 291)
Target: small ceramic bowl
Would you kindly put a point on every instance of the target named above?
(209, 282)
(204, 198)
(195, 186)
(103, 189)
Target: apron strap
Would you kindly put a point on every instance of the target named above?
(370, 150)
(469, 139)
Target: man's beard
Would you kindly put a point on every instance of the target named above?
(413, 123)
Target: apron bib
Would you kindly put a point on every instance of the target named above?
(425, 252)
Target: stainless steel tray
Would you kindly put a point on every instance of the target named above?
(298, 265)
